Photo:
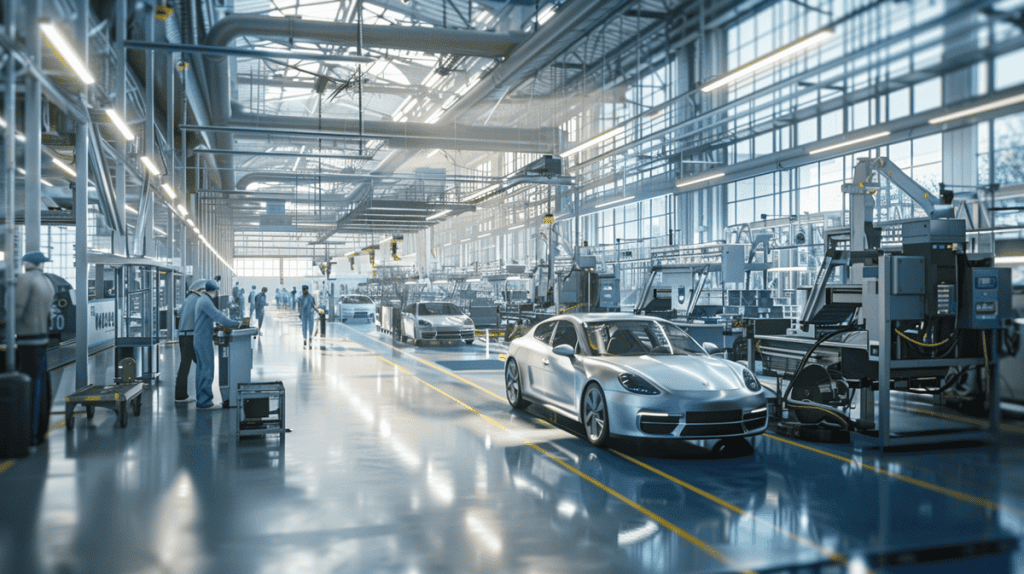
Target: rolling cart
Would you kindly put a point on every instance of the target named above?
(117, 397)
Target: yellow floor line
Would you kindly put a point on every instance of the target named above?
(830, 554)
(966, 420)
(7, 464)
(705, 547)
(968, 498)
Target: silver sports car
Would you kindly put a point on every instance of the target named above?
(628, 375)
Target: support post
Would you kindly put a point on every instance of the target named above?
(82, 217)
(10, 96)
(33, 131)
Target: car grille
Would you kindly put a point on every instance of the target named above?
(658, 425)
(691, 430)
(721, 423)
(705, 417)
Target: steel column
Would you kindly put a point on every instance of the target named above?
(82, 216)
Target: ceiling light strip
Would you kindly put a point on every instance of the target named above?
(773, 58)
(848, 143)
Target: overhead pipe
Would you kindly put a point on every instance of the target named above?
(437, 40)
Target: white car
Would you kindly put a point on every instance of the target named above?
(436, 321)
(627, 375)
(356, 307)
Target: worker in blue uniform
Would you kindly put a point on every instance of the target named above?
(292, 299)
(186, 327)
(261, 304)
(238, 294)
(252, 302)
(202, 341)
(307, 311)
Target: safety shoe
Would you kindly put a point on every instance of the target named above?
(209, 408)
(185, 400)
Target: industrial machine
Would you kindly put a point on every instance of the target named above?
(897, 306)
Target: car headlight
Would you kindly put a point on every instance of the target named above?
(751, 381)
(636, 384)
(468, 322)
(425, 323)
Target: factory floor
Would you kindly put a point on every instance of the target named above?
(408, 460)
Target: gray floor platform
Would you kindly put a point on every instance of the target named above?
(396, 464)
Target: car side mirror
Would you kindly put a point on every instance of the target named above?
(711, 348)
(564, 351)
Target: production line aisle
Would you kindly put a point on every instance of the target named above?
(401, 461)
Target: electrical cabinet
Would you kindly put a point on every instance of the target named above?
(986, 297)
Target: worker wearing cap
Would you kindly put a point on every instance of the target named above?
(307, 308)
(206, 315)
(261, 304)
(32, 323)
(186, 326)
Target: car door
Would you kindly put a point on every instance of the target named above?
(409, 321)
(535, 352)
(563, 374)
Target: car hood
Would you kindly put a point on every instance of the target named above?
(679, 372)
(445, 320)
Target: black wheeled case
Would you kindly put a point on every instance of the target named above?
(15, 411)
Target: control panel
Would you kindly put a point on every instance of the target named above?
(986, 296)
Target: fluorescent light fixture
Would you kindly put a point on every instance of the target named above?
(610, 134)
(160, 231)
(67, 168)
(190, 222)
(120, 124)
(616, 201)
(150, 165)
(66, 52)
(787, 269)
(974, 110)
(433, 153)
(1014, 260)
(699, 179)
(46, 183)
(515, 227)
(474, 280)
(21, 170)
(410, 282)
(131, 209)
(435, 116)
(483, 235)
(483, 192)
(182, 210)
(439, 214)
(545, 14)
(169, 191)
(449, 244)
(773, 58)
(846, 143)
(441, 282)
(465, 240)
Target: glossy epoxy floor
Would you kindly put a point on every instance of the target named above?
(402, 462)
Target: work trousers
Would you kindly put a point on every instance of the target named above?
(204, 372)
(188, 356)
(31, 360)
(307, 326)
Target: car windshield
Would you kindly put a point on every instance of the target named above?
(438, 309)
(357, 300)
(633, 337)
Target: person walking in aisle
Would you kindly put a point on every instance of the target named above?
(252, 302)
(293, 299)
(33, 300)
(202, 340)
(307, 310)
(261, 304)
(186, 326)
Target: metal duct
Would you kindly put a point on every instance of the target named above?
(575, 15)
(414, 135)
(439, 40)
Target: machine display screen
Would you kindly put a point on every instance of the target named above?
(985, 282)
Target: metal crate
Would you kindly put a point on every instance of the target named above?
(261, 408)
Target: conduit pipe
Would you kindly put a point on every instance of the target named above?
(436, 40)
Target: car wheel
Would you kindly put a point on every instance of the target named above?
(514, 385)
(470, 342)
(594, 415)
